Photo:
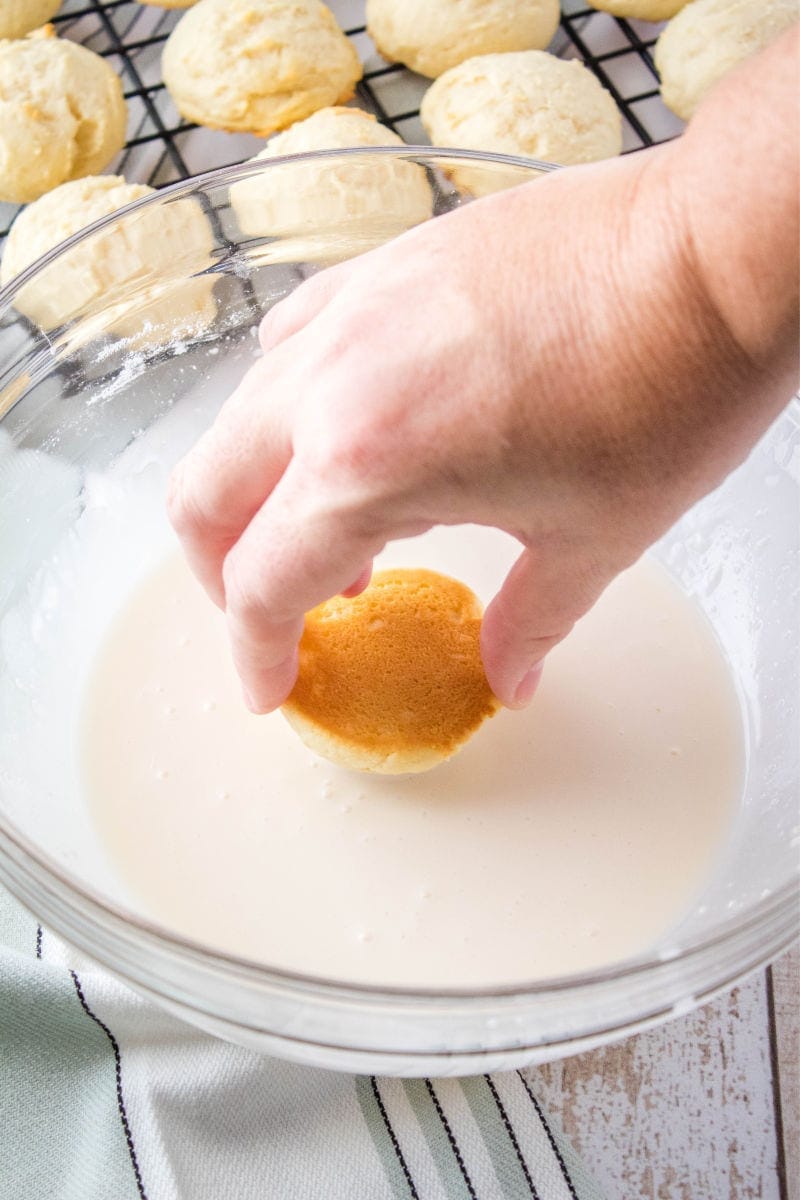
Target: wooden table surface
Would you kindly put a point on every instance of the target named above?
(703, 1108)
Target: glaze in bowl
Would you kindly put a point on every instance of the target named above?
(136, 372)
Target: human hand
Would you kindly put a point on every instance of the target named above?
(547, 361)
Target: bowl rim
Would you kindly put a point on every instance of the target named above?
(234, 172)
(778, 902)
(648, 962)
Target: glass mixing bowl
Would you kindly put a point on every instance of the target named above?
(115, 351)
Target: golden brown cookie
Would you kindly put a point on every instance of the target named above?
(18, 17)
(354, 203)
(62, 115)
(131, 278)
(640, 10)
(392, 681)
(430, 36)
(529, 104)
(708, 38)
(258, 65)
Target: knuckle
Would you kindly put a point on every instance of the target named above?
(504, 625)
(293, 311)
(513, 626)
(240, 596)
(353, 454)
(277, 319)
(350, 444)
(194, 503)
(182, 502)
(199, 496)
(262, 620)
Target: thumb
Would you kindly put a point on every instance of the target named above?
(544, 594)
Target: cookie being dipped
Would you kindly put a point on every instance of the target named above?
(391, 681)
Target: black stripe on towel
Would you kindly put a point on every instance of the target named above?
(550, 1138)
(509, 1129)
(451, 1139)
(118, 1073)
(400, 1158)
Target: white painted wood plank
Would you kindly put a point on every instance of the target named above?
(786, 993)
(682, 1112)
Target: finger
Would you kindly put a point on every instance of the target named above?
(542, 597)
(293, 313)
(358, 585)
(216, 489)
(296, 552)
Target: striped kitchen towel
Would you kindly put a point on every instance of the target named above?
(105, 1097)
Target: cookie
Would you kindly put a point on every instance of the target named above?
(431, 36)
(392, 681)
(18, 17)
(62, 115)
(530, 104)
(708, 38)
(112, 273)
(257, 66)
(640, 10)
(363, 201)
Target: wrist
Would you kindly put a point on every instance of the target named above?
(737, 198)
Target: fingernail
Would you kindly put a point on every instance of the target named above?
(527, 686)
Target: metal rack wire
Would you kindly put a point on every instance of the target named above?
(161, 147)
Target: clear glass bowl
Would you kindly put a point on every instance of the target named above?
(128, 363)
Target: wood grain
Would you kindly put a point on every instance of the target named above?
(786, 1008)
(682, 1112)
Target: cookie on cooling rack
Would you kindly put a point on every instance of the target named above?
(62, 115)
(392, 681)
(365, 202)
(137, 271)
(530, 104)
(430, 36)
(257, 66)
(640, 10)
(708, 38)
(18, 17)
(170, 3)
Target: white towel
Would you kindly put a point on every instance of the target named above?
(105, 1097)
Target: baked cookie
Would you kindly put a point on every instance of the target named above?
(18, 17)
(366, 201)
(258, 65)
(640, 10)
(136, 269)
(170, 3)
(392, 681)
(430, 36)
(529, 104)
(708, 38)
(62, 115)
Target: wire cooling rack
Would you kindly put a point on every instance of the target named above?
(162, 148)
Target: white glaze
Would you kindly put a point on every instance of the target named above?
(562, 838)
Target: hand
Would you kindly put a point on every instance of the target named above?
(547, 360)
